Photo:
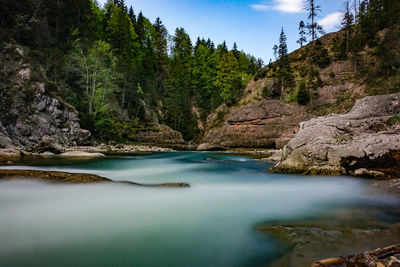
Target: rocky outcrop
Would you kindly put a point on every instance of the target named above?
(33, 117)
(265, 124)
(364, 142)
(160, 135)
(72, 178)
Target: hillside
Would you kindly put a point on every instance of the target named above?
(268, 117)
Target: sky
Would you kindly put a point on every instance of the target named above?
(254, 25)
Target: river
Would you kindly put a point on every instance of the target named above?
(212, 223)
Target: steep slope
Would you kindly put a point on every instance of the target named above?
(33, 117)
(337, 82)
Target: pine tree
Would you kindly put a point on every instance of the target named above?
(285, 75)
(347, 23)
(228, 78)
(313, 12)
(160, 46)
(275, 49)
(178, 91)
(302, 34)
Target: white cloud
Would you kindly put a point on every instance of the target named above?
(286, 6)
(331, 21)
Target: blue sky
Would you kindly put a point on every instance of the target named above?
(253, 24)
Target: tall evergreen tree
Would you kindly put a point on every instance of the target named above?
(285, 75)
(178, 94)
(313, 12)
(347, 23)
(302, 34)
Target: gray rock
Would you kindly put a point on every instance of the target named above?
(34, 119)
(348, 143)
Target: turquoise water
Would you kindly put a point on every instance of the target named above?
(212, 223)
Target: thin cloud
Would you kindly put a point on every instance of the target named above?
(286, 6)
(331, 21)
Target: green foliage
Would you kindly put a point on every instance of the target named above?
(303, 97)
(394, 120)
(229, 79)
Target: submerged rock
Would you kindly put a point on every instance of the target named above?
(72, 178)
(362, 142)
(341, 233)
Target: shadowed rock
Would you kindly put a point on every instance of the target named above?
(72, 178)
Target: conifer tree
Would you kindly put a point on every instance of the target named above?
(275, 49)
(313, 12)
(302, 34)
(285, 75)
(347, 23)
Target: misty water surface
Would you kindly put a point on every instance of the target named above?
(212, 223)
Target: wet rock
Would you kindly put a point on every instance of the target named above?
(382, 257)
(264, 124)
(360, 142)
(209, 147)
(81, 154)
(331, 237)
(72, 178)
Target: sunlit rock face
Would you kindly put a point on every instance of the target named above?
(265, 124)
(33, 115)
(363, 142)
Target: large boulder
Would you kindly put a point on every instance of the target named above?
(33, 116)
(264, 124)
(160, 135)
(363, 142)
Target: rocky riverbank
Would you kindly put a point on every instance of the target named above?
(364, 142)
(82, 152)
(71, 178)
(340, 233)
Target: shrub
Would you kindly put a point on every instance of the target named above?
(395, 119)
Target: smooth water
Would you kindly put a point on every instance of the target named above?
(212, 223)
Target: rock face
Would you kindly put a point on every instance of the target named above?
(364, 141)
(160, 135)
(264, 124)
(33, 117)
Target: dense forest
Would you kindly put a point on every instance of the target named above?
(120, 70)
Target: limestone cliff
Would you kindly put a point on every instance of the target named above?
(33, 116)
